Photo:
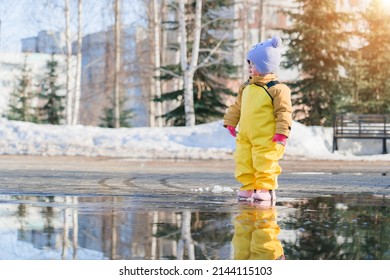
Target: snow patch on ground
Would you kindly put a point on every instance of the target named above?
(205, 141)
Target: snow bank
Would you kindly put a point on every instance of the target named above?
(206, 141)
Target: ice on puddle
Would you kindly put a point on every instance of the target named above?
(200, 189)
(216, 189)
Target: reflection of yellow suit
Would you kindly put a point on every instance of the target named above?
(261, 112)
(255, 236)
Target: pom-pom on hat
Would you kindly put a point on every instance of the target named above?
(266, 56)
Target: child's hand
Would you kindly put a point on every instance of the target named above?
(232, 130)
(280, 139)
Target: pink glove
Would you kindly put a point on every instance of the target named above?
(280, 139)
(232, 130)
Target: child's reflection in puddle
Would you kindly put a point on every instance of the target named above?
(256, 231)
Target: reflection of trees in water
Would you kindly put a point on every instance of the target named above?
(29, 212)
(21, 214)
(199, 235)
(339, 227)
(185, 242)
(211, 231)
(70, 229)
(121, 234)
(75, 219)
(48, 213)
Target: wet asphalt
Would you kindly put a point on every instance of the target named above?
(81, 176)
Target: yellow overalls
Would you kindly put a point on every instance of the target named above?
(256, 156)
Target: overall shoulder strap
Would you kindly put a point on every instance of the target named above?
(272, 83)
(267, 86)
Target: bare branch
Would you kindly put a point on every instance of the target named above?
(173, 74)
(214, 62)
(214, 50)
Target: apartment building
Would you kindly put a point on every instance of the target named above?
(97, 71)
(45, 42)
(97, 79)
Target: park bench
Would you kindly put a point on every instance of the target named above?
(361, 127)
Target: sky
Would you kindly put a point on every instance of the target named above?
(206, 141)
(25, 18)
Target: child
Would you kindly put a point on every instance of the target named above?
(263, 111)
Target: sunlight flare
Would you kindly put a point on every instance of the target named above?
(385, 3)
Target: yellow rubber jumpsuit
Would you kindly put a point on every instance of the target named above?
(261, 112)
(255, 235)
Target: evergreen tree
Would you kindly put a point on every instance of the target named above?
(21, 108)
(317, 47)
(125, 116)
(53, 108)
(368, 70)
(210, 90)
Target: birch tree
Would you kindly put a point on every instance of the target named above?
(76, 110)
(154, 17)
(73, 93)
(117, 48)
(204, 65)
(245, 38)
(189, 65)
(157, 59)
(69, 93)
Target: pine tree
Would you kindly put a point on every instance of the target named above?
(317, 47)
(368, 71)
(21, 108)
(52, 111)
(108, 119)
(210, 90)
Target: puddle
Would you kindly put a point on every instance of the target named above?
(342, 173)
(206, 227)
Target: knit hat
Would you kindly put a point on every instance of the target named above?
(266, 56)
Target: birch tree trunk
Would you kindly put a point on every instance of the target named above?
(117, 64)
(157, 59)
(262, 21)
(69, 94)
(245, 39)
(152, 84)
(189, 68)
(78, 66)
